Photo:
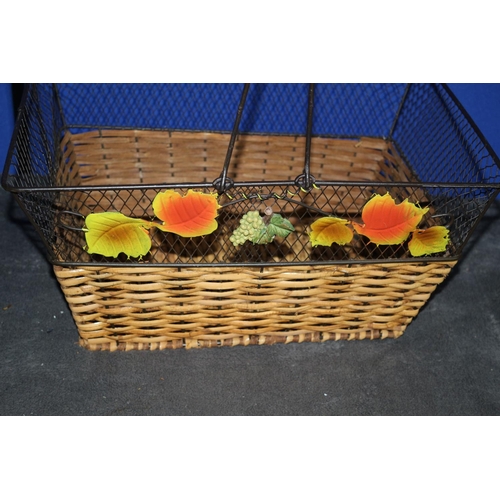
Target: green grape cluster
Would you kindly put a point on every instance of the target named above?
(250, 228)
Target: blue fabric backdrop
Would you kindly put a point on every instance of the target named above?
(6, 120)
(482, 101)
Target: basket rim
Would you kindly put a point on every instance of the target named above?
(262, 265)
(198, 185)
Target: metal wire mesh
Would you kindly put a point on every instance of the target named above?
(216, 249)
(80, 149)
(341, 110)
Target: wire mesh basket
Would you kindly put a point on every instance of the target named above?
(311, 155)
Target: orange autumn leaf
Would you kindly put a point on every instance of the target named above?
(329, 230)
(189, 216)
(111, 233)
(388, 223)
(429, 241)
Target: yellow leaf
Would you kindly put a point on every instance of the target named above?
(428, 241)
(329, 230)
(111, 233)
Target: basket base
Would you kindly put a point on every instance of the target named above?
(145, 308)
(246, 340)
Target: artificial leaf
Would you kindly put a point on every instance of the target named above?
(190, 215)
(111, 233)
(388, 223)
(429, 241)
(263, 237)
(329, 230)
(279, 226)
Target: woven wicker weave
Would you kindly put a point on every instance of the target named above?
(112, 157)
(160, 308)
(141, 307)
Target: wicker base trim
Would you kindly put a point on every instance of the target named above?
(127, 308)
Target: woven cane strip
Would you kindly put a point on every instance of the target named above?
(113, 157)
(160, 308)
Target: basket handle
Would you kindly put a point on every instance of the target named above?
(305, 180)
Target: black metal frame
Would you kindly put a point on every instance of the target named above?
(305, 182)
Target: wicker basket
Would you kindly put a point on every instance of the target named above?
(204, 291)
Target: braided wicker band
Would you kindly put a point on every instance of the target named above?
(159, 308)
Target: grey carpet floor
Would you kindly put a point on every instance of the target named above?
(446, 363)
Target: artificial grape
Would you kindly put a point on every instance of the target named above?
(251, 225)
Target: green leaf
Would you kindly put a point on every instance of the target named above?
(279, 226)
(263, 237)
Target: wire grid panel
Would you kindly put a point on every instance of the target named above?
(439, 142)
(188, 156)
(85, 148)
(347, 110)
